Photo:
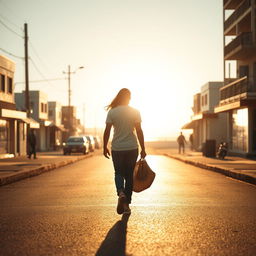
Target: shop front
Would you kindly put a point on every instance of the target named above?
(12, 133)
(243, 131)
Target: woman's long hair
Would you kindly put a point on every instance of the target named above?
(121, 98)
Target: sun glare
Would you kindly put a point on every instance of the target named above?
(161, 115)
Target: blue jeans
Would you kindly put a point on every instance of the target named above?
(124, 163)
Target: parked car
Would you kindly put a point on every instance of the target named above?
(97, 142)
(91, 142)
(76, 144)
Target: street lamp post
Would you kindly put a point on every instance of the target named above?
(69, 72)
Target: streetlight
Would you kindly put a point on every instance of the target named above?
(69, 72)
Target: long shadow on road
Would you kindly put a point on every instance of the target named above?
(115, 242)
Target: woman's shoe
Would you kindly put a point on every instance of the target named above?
(121, 202)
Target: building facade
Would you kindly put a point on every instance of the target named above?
(13, 134)
(69, 121)
(238, 95)
(39, 112)
(206, 124)
(56, 127)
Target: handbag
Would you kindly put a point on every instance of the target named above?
(143, 176)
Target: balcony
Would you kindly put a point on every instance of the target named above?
(231, 4)
(236, 16)
(240, 48)
(236, 89)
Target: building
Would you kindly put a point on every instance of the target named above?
(206, 124)
(13, 135)
(69, 121)
(238, 95)
(56, 127)
(39, 112)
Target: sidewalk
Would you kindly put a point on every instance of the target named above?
(17, 168)
(235, 167)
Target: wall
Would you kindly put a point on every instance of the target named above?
(7, 68)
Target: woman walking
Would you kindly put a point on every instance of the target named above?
(124, 148)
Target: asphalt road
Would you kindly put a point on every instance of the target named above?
(71, 211)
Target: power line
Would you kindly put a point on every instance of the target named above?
(13, 55)
(40, 81)
(15, 25)
(10, 11)
(37, 55)
(14, 32)
(38, 70)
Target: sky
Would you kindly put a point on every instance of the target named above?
(162, 50)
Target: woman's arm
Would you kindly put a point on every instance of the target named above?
(140, 136)
(106, 135)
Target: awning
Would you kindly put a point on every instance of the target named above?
(189, 125)
(47, 123)
(8, 113)
(32, 123)
(204, 115)
(58, 127)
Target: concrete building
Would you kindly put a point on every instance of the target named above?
(69, 121)
(206, 124)
(39, 112)
(13, 134)
(238, 95)
(56, 127)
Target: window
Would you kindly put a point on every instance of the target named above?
(9, 83)
(45, 108)
(205, 99)
(42, 107)
(2, 83)
(202, 100)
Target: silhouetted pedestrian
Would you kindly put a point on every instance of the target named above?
(32, 143)
(181, 141)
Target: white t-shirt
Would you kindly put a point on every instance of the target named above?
(123, 118)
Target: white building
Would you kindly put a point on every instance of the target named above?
(13, 132)
(39, 112)
(56, 128)
(206, 124)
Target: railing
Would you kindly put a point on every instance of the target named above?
(231, 4)
(244, 39)
(237, 13)
(235, 88)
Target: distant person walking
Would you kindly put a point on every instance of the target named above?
(124, 148)
(32, 143)
(191, 140)
(181, 141)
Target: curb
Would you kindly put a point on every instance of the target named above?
(224, 171)
(23, 174)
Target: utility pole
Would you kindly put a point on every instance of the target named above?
(71, 117)
(26, 71)
(69, 88)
